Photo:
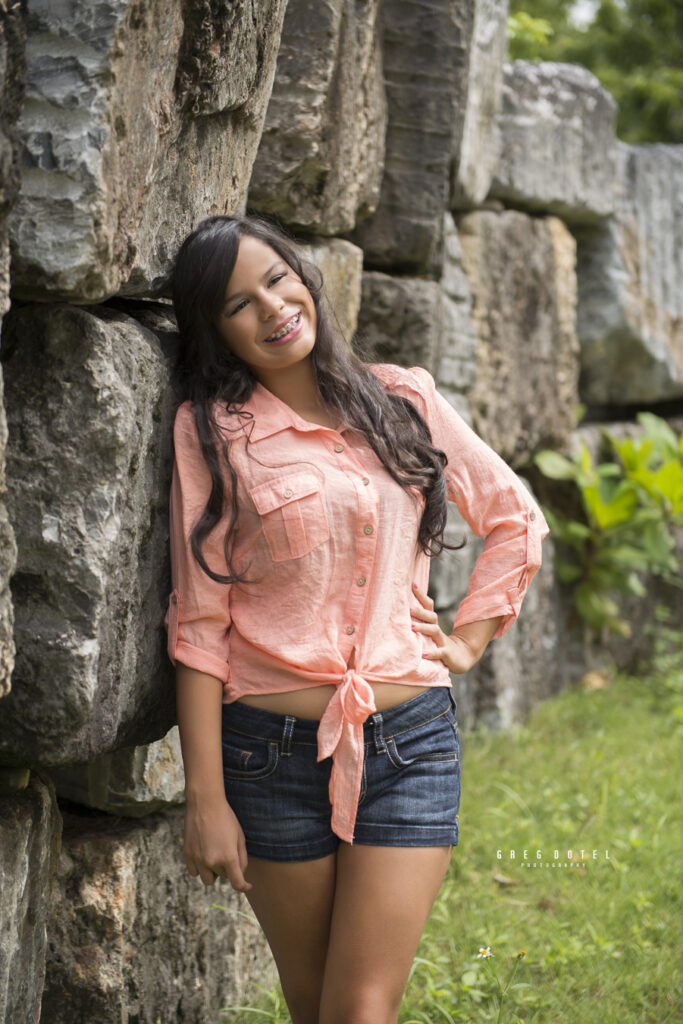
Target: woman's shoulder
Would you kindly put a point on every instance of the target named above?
(186, 420)
(399, 378)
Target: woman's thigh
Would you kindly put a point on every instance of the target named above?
(293, 903)
(382, 899)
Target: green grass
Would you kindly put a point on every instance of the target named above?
(593, 770)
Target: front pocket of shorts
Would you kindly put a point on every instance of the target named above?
(249, 760)
(430, 741)
(293, 516)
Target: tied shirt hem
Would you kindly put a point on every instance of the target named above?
(340, 736)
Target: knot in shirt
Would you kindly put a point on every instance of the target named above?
(340, 736)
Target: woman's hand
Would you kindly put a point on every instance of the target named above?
(214, 843)
(455, 651)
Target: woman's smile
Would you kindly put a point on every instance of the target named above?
(286, 332)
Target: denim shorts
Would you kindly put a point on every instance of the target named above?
(410, 790)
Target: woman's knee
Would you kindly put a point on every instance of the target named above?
(303, 1003)
(367, 1005)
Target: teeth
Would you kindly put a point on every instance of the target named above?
(283, 330)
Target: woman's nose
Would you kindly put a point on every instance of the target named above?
(270, 303)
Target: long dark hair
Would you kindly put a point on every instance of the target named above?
(213, 377)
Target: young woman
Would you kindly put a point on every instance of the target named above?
(318, 729)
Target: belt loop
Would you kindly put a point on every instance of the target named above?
(378, 734)
(287, 732)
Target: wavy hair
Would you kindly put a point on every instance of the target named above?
(212, 378)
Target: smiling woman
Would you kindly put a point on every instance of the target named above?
(318, 727)
(268, 318)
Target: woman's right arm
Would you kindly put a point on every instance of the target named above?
(214, 841)
(198, 644)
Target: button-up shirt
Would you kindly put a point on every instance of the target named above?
(327, 542)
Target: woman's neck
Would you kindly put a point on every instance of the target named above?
(295, 386)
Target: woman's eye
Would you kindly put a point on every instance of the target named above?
(238, 307)
(278, 277)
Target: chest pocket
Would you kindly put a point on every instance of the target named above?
(292, 514)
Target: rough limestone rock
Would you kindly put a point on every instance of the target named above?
(458, 365)
(141, 117)
(131, 782)
(8, 559)
(12, 39)
(133, 937)
(476, 153)
(12, 71)
(89, 465)
(557, 142)
(320, 158)
(630, 276)
(402, 320)
(521, 270)
(425, 51)
(30, 830)
(341, 264)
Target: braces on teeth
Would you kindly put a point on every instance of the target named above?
(283, 330)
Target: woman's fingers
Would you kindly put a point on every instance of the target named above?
(238, 881)
(428, 628)
(423, 598)
(424, 614)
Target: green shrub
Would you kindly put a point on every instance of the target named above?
(631, 510)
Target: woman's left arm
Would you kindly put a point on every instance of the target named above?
(496, 505)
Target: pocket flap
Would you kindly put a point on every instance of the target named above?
(283, 489)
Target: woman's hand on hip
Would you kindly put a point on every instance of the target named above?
(214, 843)
(453, 650)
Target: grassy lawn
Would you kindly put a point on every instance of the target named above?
(592, 770)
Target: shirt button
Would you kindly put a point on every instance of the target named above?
(287, 493)
(339, 447)
(174, 599)
(532, 516)
(361, 581)
(367, 529)
(366, 481)
(350, 630)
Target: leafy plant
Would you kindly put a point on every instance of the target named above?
(632, 508)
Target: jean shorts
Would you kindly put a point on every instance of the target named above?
(410, 790)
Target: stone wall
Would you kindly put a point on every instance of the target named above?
(476, 217)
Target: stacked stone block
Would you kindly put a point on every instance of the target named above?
(321, 155)
(139, 119)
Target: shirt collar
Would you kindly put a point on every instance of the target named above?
(271, 415)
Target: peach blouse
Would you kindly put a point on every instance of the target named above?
(328, 542)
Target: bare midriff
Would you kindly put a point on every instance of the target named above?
(312, 702)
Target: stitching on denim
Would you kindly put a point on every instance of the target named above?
(398, 762)
(287, 731)
(417, 725)
(267, 739)
(259, 773)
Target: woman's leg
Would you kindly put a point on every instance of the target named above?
(293, 903)
(383, 896)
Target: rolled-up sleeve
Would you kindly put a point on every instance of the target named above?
(198, 617)
(496, 505)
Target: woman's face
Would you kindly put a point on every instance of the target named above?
(268, 318)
